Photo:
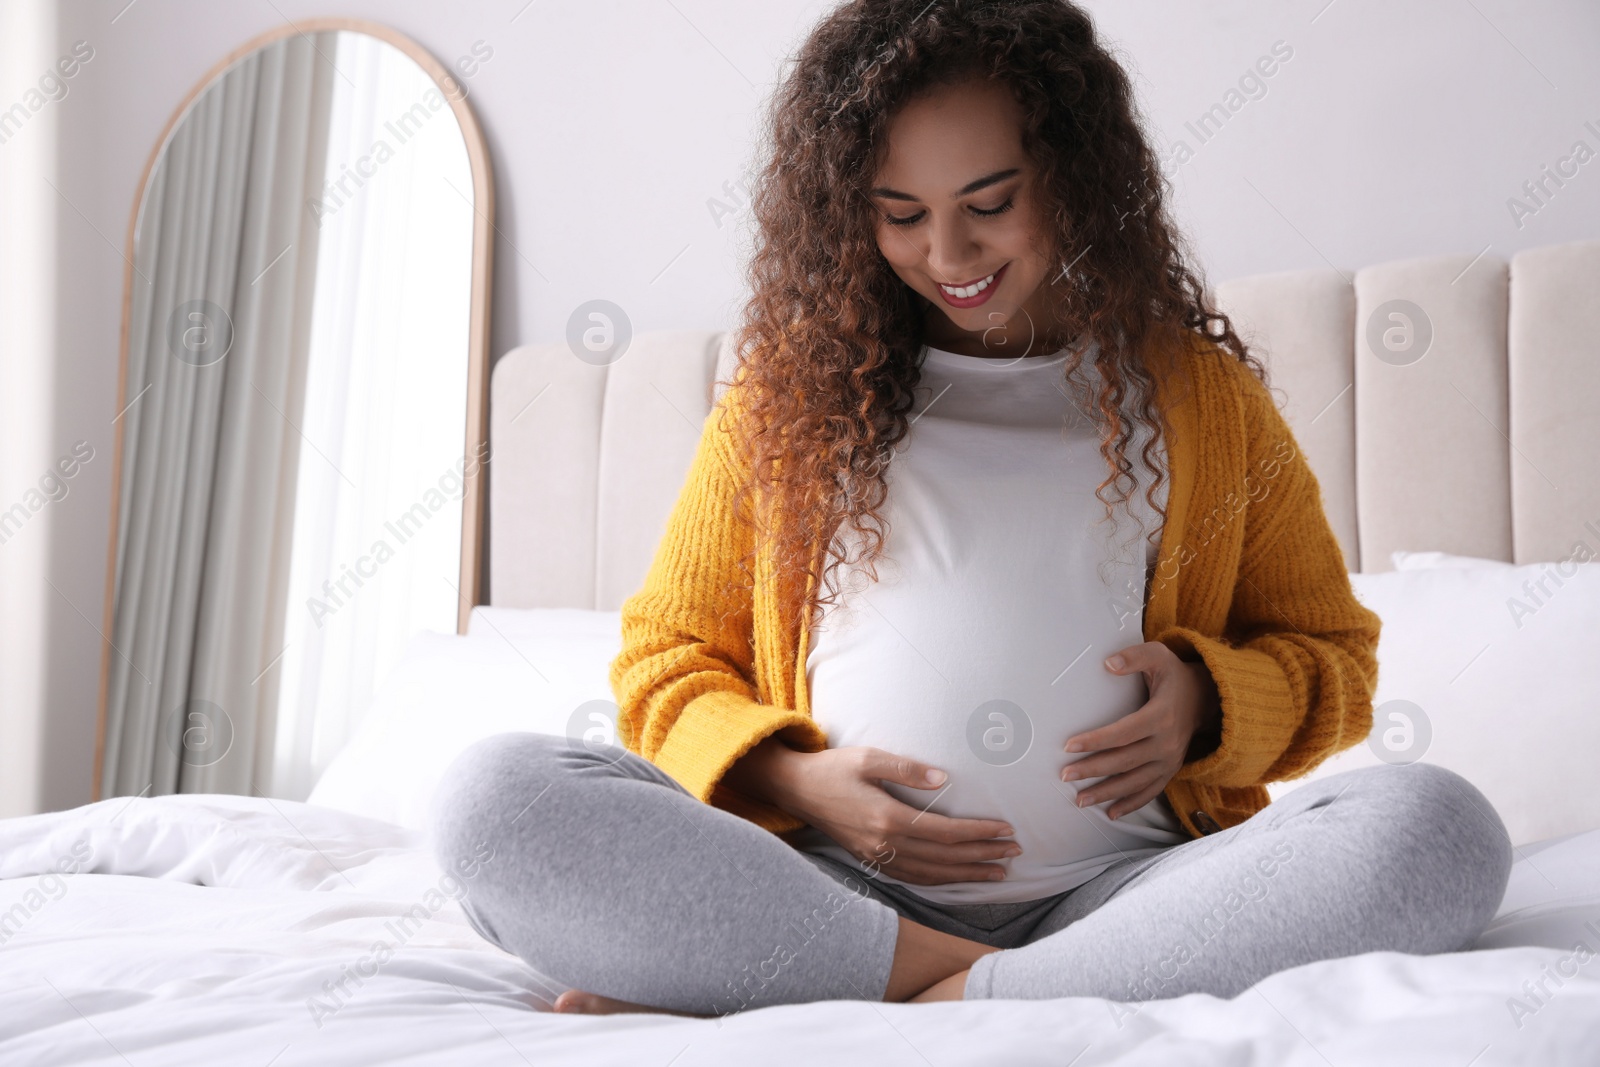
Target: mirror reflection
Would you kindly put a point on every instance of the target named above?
(295, 453)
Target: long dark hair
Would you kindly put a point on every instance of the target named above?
(829, 341)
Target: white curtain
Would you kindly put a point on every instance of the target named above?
(377, 528)
(215, 378)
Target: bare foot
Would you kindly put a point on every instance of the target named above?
(952, 988)
(577, 1002)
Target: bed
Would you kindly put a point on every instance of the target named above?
(228, 929)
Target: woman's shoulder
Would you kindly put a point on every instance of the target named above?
(1221, 385)
(732, 423)
(1220, 400)
(1216, 367)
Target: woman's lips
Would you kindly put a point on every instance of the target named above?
(980, 297)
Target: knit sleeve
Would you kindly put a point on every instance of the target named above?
(684, 679)
(1297, 663)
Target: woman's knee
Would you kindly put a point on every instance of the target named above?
(1446, 835)
(1448, 805)
(498, 786)
(481, 791)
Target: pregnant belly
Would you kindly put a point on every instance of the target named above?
(1003, 754)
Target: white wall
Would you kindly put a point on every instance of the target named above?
(32, 508)
(1392, 131)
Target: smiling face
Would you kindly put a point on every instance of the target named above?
(960, 222)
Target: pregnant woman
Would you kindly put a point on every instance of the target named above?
(997, 591)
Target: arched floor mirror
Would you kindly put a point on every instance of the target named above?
(298, 483)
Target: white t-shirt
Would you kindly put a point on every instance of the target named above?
(1001, 591)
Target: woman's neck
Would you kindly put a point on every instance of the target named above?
(975, 346)
(1036, 338)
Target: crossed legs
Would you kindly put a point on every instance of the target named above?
(607, 876)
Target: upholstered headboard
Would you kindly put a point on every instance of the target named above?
(1448, 403)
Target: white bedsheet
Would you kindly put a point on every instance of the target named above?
(200, 928)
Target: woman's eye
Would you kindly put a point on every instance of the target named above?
(895, 220)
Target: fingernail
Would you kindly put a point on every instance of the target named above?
(1007, 832)
(1068, 775)
(1013, 851)
(1114, 662)
(995, 876)
(935, 777)
(1073, 746)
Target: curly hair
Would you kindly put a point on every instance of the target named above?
(829, 344)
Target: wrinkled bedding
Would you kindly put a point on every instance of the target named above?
(220, 929)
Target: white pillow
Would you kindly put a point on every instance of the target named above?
(1483, 671)
(543, 670)
(1416, 561)
(1552, 897)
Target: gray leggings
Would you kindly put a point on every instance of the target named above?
(606, 875)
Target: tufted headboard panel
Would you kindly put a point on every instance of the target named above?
(586, 461)
(1448, 403)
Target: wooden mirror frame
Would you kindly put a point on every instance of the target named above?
(472, 497)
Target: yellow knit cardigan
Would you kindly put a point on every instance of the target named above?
(1249, 578)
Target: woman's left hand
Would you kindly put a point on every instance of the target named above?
(1142, 751)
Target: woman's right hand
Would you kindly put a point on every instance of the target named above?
(840, 792)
